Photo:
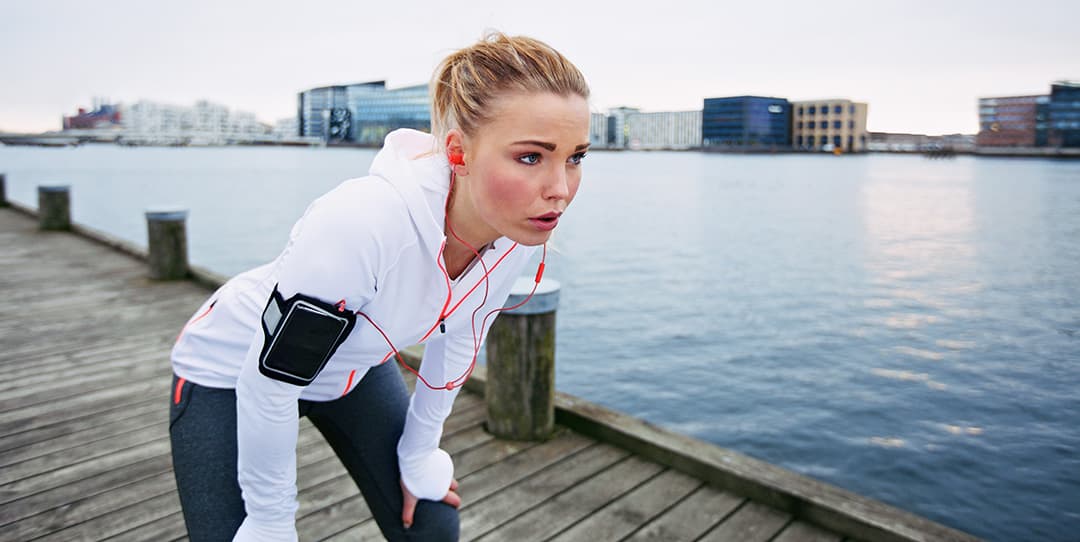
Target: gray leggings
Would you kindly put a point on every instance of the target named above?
(363, 429)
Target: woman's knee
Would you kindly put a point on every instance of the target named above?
(435, 521)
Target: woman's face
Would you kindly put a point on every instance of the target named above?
(523, 167)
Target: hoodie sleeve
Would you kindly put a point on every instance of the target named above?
(425, 469)
(331, 255)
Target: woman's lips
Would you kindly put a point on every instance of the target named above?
(545, 222)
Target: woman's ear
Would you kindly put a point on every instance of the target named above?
(455, 152)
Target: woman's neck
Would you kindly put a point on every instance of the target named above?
(466, 235)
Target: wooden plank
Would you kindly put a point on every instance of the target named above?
(569, 507)
(48, 431)
(104, 482)
(167, 527)
(752, 522)
(87, 437)
(690, 517)
(54, 461)
(90, 510)
(633, 510)
(106, 378)
(78, 406)
(799, 531)
(481, 478)
(117, 521)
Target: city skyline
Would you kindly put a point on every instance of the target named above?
(920, 66)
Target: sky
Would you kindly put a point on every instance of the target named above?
(920, 65)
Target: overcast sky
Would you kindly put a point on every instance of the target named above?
(920, 64)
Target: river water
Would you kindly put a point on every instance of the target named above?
(908, 329)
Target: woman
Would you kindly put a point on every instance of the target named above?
(422, 250)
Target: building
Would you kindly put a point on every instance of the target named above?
(598, 125)
(826, 125)
(377, 111)
(618, 134)
(663, 130)
(205, 123)
(746, 123)
(323, 112)
(1012, 121)
(103, 116)
(1064, 115)
(362, 112)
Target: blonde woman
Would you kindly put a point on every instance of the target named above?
(422, 250)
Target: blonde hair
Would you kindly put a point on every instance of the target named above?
(467, 82)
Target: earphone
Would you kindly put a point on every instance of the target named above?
(457, 159)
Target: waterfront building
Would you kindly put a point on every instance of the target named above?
(663, 130)
(617, 132)
(103, 116)
(376, 110)
(1013, 121)
(362, 112)
(323, 112)
(598, 125)
(746, 123)
(205, 123)
(1063, 114)
(826, 125)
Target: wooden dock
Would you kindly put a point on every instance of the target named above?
(84, 449)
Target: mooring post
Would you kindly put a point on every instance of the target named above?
(54, 208)
(520, 389)
(167, 243)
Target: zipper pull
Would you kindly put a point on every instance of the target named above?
(442, 325)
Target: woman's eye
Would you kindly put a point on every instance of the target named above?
(530, 159)
(577, 158)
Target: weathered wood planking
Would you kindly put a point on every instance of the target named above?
(84, 451)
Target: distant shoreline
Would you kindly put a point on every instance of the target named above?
(60, 140)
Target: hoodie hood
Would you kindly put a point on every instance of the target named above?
(410, 162)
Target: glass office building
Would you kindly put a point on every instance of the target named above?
(324, 113)
(1063, 110)
(362, 112)
(378, 111)
(746, 123)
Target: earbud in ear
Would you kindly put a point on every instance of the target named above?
(457, 159)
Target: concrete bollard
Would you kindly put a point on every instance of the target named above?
(3, 190)
(520, 390)
(54, 208)
(167, 244)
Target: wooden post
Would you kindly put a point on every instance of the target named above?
(520, 390)
(54, 208)
(3, 190)
(167, 244)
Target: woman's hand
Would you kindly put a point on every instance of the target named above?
(409, 506)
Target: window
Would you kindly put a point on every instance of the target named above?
(851, 109)
(810, 125)
(824, 109)
(836, 124)
(851, 125)
(800, 110)
(798, 141)
(838, 109)
(850, 142)
(836, 141)
(812, 110)
(810, 141)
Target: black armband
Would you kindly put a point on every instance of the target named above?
(299, 336)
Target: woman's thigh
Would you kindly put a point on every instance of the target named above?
(363, 428)
(202, 430)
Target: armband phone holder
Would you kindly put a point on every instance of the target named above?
(300, 335)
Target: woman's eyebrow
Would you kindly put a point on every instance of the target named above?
(549, 146)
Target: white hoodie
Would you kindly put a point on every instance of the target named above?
(374, 242)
